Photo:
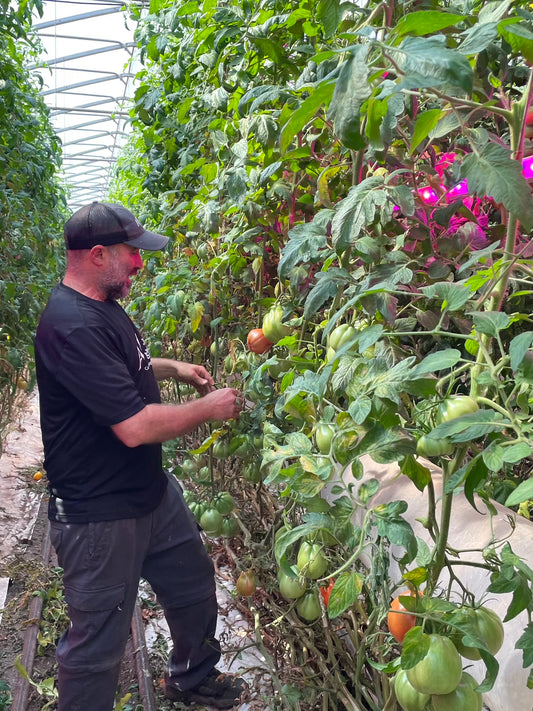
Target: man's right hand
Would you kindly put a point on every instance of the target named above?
(226, 403)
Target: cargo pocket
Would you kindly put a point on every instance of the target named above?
(96, 600)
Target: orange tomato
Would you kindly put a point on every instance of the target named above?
(257, 342)
(398, 619)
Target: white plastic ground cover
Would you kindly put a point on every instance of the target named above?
(240, 655)
(19, 505)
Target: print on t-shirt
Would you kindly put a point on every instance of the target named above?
(143, 353)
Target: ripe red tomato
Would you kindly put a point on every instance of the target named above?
(257, 341)
(399, 620)
(246, 584)
(326, 591)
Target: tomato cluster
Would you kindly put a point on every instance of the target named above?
(437, 681)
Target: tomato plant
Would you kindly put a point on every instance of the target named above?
(456, 406)
(439, 672)
(463, 698)
(311, 562)
(290, 587)
(308, 606)
(246, 583)
(406, 695)
(257, 342)
(399, 620)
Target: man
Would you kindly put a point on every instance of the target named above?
(115, 515)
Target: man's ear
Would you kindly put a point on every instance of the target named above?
(97, 255)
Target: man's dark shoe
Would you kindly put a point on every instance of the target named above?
(223, 691)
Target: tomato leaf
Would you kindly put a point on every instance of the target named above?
(518, 348)
(415, 647)
(471, 426)
(351, 91)
(525, 643)
(418, 473)
(345, 592)
(523, 491)
(426, 22)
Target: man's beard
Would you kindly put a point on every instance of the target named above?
(116, 291)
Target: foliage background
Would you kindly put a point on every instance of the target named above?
(32, 202)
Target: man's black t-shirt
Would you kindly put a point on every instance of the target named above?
(93, 371)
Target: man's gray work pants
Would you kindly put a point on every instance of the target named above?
(102, 565)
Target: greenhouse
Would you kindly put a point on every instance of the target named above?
(266, 355)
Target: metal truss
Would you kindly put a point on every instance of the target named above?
(88, 69)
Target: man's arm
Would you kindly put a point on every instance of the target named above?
(157, 423)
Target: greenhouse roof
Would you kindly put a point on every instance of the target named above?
(88, 74)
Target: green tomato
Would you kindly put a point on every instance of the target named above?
(241, 446)
(251, 472)
(428, 446)
(463, 698)
(197, 508)
(277, 370)
(456, 406)
(308, 606)
(439, 672)
(406, 695)
(341, 335)
(486, 625)
(228, 364)
(273, 327)
(311, 562)
(203, 473)
(188, 496)
(224, 503)
(246, 583)
(189, 466)
(221, 448)
(230, 527)
(291, 588)
(211, 522)
(323, 436)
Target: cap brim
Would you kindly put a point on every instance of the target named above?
(150, 241)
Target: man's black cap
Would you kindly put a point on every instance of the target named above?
(106, 224)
